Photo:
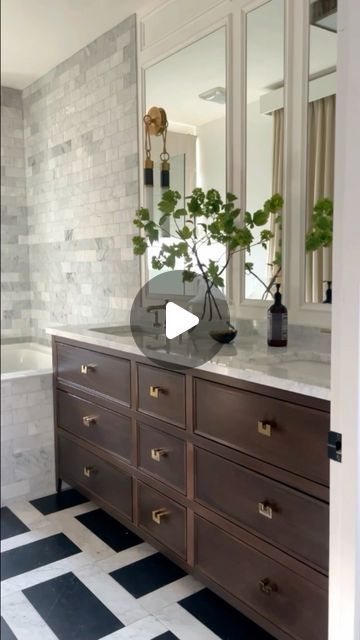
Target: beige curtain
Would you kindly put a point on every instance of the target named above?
(320, 184)
(277, 183)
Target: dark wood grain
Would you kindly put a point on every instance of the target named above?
(171, 466)
(294, 605)
(109, 377)
(170, 403)
(172, 529)
(299, 523)
(298, 439)
(109, 430)
(106, 481)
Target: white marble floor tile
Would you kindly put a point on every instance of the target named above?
(30, 536)
(123, 558)
(77, 510)
(120, 602)
(46, 572)
(170, 593)
(144, 629)
(183, 624)
(23, 618)
(26, 512)
(83, 537)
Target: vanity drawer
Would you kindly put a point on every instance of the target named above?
(288, 600)
(103, 374)
(163, 518)
(163, 456)
(286, 517)
(161, 393)
(84, 469)
(287, 435)
(104, 428)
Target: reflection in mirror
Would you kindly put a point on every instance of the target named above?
(321, 138)
(191, 86)
(264, 133)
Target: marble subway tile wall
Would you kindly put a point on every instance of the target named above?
(15, 282)
(81, 157)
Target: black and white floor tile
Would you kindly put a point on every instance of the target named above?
(71, 572)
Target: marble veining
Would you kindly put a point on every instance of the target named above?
(302, 367)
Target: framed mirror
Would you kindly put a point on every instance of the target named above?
(265, 41)
(321, 143)
(191, 86)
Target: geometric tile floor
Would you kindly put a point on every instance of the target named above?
(70, 571)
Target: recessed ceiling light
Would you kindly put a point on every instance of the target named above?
(217, 94)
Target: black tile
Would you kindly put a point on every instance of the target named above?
(222, 618)
(36, 554)
(58, 501)
(166, 636)
(149, 574)
(109, 530)
(6, 633)
(71, 610)
(10, 524)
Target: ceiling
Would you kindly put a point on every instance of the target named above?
(36, 35)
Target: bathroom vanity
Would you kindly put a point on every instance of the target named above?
(227, 477)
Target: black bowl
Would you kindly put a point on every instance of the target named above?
(225, 336)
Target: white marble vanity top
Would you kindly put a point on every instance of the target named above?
(301, 367)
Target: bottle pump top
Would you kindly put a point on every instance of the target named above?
(277, 295)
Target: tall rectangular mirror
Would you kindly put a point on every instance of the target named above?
(191, 86)
(321, 146)
(265, 34)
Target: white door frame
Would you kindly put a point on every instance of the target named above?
(344, 609)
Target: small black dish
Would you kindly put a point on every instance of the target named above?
(225, 336)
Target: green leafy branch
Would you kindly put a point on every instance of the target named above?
(321, 233)
(206, 219)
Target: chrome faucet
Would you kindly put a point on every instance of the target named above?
(157, 308)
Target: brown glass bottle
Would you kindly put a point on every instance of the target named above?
(277, 318)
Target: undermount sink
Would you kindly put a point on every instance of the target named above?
(127, 331)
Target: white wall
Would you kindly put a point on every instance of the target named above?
(344, 621)
(211, 155)
(259, 149)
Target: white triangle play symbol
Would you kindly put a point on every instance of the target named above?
(178, 320)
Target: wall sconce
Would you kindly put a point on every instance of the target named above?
(156, 124)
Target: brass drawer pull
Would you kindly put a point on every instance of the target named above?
(85, 368)
(88, 471)
(88, 420)
(267, 587)
(154, 391)
(265, 510)
(264, 428)
(156, 454)
(157, 514)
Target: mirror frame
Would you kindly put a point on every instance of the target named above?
(197, 21)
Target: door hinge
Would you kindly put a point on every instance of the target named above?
(335, 446)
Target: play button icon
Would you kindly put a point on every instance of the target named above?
(178, 320)
(172, 323)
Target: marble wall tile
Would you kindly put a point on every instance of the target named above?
(71, 171)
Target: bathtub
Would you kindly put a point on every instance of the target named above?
(27, 433)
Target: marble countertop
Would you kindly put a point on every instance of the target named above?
(301, 367)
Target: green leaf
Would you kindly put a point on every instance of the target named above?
(185, 233)
(143, 214)
(152, 231)
(170, 260)
(156, 263)
(163, 218)
(213, 274)
(188, 275)
(138, 223)
(260, 217)
(139, 245)
(249, 266)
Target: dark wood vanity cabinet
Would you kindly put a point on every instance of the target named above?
(228, 478)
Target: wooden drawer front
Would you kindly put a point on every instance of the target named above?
(285, 516)
(170, 528)
(295, 605)
(101, 427)
(163, 456)
(161, 393)
(108, 375)
(296, 440)
(82, 468)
